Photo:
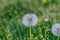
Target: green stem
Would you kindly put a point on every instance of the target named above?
(58, 38)
(30, 33)
(27, 34)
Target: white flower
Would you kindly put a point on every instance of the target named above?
(56, 29)
(30, 20)
(46, 19)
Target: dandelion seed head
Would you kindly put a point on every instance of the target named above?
(30, 20)
(56, 29)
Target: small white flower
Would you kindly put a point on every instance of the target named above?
(30, 20)
(46, 19)
(56, 29)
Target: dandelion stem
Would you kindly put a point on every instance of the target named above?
(27, 33)
(58, 38)
(30, 33)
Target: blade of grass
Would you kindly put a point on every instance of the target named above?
(45, 34)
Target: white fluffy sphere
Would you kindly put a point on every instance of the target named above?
(56, 29)
(30, 20)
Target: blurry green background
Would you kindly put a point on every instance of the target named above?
(12, 11)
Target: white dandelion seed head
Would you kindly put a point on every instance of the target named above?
(30, 20)
(56, 29)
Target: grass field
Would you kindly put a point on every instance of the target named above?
(12, 11)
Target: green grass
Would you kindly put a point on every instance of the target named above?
(12, 11)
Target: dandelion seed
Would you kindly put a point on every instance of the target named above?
(30, 20)
(56, 29)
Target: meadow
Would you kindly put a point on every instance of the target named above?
(12, 11)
